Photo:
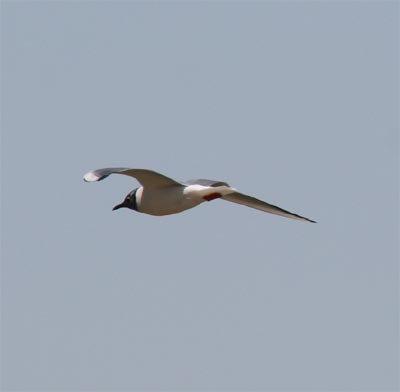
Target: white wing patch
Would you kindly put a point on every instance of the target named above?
(90, 177)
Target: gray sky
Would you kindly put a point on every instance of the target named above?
(293, 102)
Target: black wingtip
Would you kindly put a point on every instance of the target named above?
(307, 219)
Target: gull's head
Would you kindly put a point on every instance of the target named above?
(129, 202)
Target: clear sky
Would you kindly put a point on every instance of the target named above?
(295, 103)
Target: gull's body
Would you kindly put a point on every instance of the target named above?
(173, 199)
(161, 195)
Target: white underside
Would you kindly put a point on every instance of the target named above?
(166, 201)
(201, 191)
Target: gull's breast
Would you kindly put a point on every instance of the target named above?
(165, 201)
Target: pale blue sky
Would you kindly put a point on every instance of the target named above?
(293, 102)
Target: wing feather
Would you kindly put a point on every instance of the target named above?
(147, 178)
(252, 202)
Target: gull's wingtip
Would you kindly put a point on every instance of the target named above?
(308, 220)
(90, 177)
(299, 217)
(303, 218)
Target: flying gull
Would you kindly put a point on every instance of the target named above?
(161, 195)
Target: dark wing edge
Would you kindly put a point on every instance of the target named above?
(146, 177)
(252, 202)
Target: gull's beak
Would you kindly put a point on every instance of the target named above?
(118, 206)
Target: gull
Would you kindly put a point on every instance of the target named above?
(160, 195)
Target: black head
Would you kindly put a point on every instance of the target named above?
(129, 202)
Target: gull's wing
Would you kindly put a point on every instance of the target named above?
(147, 178)
(252, 202)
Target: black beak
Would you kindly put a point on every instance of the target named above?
(118, 206)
